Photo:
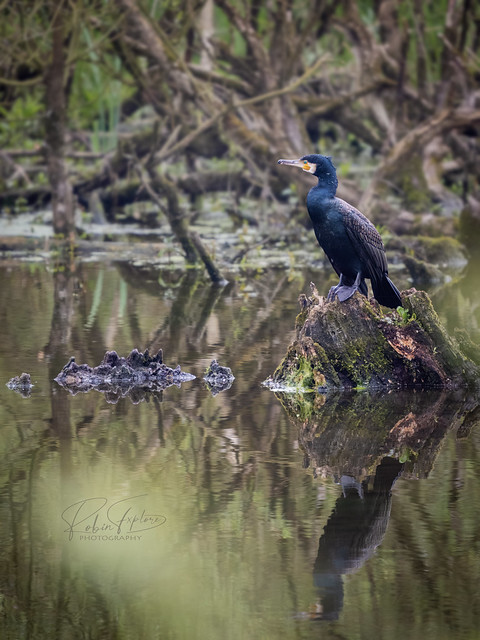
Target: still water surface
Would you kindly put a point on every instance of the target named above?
(237, 516)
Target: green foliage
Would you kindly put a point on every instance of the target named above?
(98, 91)
(405, 316)
(20, 125)
(226, 33)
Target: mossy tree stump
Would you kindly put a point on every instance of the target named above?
(356, 344)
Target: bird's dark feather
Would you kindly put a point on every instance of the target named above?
(366, 240)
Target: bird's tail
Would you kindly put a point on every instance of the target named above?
(386, 293)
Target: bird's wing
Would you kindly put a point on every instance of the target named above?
(366, 240)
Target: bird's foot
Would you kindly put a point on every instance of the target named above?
(332, 294)
(348, 483)
(342, 292)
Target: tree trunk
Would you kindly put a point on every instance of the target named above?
(55, 106)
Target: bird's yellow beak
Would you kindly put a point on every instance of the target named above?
(302, 164)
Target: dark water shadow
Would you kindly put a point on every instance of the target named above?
(366, 442)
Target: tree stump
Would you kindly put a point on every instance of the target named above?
(355, 344)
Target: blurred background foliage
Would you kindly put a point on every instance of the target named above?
(166, 105)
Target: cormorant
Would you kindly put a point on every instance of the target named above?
(349, 239)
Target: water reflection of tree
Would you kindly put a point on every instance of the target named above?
(182, 329)
(366, 443)
(232, 461)
(58, 346)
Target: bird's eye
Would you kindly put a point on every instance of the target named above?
(305, 162)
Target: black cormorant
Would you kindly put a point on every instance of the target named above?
(349, 239)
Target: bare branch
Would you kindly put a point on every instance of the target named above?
(269, 95)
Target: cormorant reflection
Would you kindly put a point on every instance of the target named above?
(354, 530)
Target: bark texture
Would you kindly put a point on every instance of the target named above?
(55, 104)
(354, 345)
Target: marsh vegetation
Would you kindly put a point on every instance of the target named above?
(157, 111)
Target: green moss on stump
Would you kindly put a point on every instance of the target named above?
(304, 367)
(354, 344)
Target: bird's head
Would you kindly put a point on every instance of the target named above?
(320, 166)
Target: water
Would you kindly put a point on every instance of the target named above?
(241, 515)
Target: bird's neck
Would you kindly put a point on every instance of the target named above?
(327, 186)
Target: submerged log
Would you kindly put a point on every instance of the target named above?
(218, 378)
(354, 344)
(21, 384)
(134, 376)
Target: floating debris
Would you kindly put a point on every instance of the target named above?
(218, 378)
(135, 376)
(21, 384)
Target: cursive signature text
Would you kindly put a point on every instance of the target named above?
(95, 516)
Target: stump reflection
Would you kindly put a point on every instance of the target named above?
(366, 442)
